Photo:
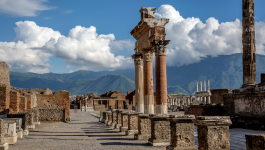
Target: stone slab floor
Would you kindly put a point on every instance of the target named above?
(84, 132)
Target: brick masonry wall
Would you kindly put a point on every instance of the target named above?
(59, 99)
(2, 130)
(29, 117)
(23, 104)
(217, 95)
(4, 99)
(14, 102)
(52, 114)
(29, 101)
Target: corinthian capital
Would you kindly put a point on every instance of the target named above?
(160, 46)
(138, 59)
(148, 55)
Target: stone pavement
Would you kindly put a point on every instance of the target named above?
(85, 132)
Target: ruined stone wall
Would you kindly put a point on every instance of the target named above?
(52, 114)
(23, 104)
(4, 97)
(29, 101)
(14, 102)
(59, 99)
(35, 114)
(29, 117)
(2, 130)
(99, 108)
(217, 95)
(206, 110)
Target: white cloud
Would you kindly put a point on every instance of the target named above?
(23, 8)
(121, 45)
(192, 39)
(82, 48)
(68, 11)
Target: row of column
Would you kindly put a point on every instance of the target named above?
(204, 99)
(197, 83)
(144, 90)
(177, 132)
(179, 101)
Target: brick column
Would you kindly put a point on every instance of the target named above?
(139, 82)
(160, 134)
(161, 76)
(14, 102)
(182, 133)
(144, 127)
(23, 104)
(213, 132)
(148, 82)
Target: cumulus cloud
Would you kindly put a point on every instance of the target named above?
(23, 8)
(82, 48)
(191, 39)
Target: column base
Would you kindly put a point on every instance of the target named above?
(131, 132)
(36, 123)
(123, 129)
(109, 123)
(102, 121)
(19, 134)
(142, 136)
(105, 121)
(117, 126)
(113, 125)
(25, 132)
(10, 139)
(3, 146)
(182, 148)
(140, 108)
(154, 142)
(149, 104)
(30, 127)
(161, 109)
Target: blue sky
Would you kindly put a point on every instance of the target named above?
(64, 36)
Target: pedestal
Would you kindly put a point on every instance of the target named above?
(132, 123)
(114, 117)
(124, 121)
(109, 119)
(144, 127)
(182, 133)
(255, 141)
(213, 132)
(160, 135)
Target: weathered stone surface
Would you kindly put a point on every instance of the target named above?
(182, 133)
(132, 123)
(159, 130)
(109, 118)
(52, 114)
(124, 121)
(213, 132)
(144, 127)
(255, 141)
(19, 115)
(114, 117)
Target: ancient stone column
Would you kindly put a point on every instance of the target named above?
(209, 85)
(197, 86)
(213, 132)
(161, 76)
(209, 100)
(200, 86)
(144, 127)
(204, 85)
(109, 118)
(132, 123)
(159, 130)
(182, 133)
(148, 82)
(139, 82)
(114, 117)
(205, 100)
(248, 41)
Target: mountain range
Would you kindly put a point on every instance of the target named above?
(224, 71)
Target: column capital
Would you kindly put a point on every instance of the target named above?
(148, 55)
(138, 59)
(160, 46)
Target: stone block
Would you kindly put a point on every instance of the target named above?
(3, 146)
(144, 127)
(30, 127)
(213, 132)
(255, 141)
(18, 122)
(124, 121)
(10, 129)
(182, 133)
(160, 134)
(132, 123)
(109, 119)
(114, 117)
(10, 139)
(25, 132)
(19, 115)
(20, 134)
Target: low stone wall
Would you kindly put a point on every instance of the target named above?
(19, 115)
(217, 95)
(55, 114)
(29, 117)
(205, 110)
(36, 114)
(99, 108)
